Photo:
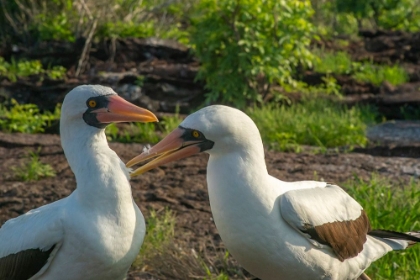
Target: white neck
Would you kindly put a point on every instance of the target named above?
(236, 175)
(102, 179)
(235, 183)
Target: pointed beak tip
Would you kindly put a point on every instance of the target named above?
(154, 117)
(130, 163)
(148, 116)
(136, 172)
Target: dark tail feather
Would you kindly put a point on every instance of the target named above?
(412, 237)
(363, 277)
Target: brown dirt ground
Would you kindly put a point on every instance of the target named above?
(179, 186)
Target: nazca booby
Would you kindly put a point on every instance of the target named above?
(275, 229)
(97, 231)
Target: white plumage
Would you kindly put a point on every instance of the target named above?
(275, 229)
(97, 231)
(297, 205)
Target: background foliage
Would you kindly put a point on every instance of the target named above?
(349, 16)
(249, 51)
(245, 46)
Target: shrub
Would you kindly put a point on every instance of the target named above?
(341, 63)
(339, 17)
(24, 20)
(244, 46)
(26, 118)
(23, 68)
(38, 20)
(34, 169)
(377, 74)
(386, 14)
(332, 63)
(55, 24)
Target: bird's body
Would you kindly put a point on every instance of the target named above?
(251, 226)
(275, 229)
(97, 231)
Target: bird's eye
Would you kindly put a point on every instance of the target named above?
(195, 134)
(92, 103)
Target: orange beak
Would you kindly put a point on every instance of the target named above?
(120, 110)
(173, 147)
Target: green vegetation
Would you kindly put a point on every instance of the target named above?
(169, 258)
(332, 63)
(394, 208)
(33, 20)
(143, 132)
(34, 169)
(316, 122)
(392, 14)
(244, 47)
(26, 118)
(22, 68)
(159, 233)
(341, 63)
(134, 132)
(249, 50)
(224, 270)
(376, 74)
(348, 16)
(328, 86)
(169, 123)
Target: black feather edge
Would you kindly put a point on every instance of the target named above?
(382, 233)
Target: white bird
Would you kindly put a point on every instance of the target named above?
(275, 229)
(97, 231)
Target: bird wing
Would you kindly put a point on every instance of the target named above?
(29, 242)
(327, 216)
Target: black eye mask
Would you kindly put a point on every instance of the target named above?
(188, 135)
(89, 117)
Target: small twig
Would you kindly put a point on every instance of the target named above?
(9, 18)
(134, 8)
(149, 14)
(23, 8)
(80, 23)
(86, 8)
(267, 91)
(113, 49)
(86, 49)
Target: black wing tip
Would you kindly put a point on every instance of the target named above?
(383, 233)
(24, 264)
